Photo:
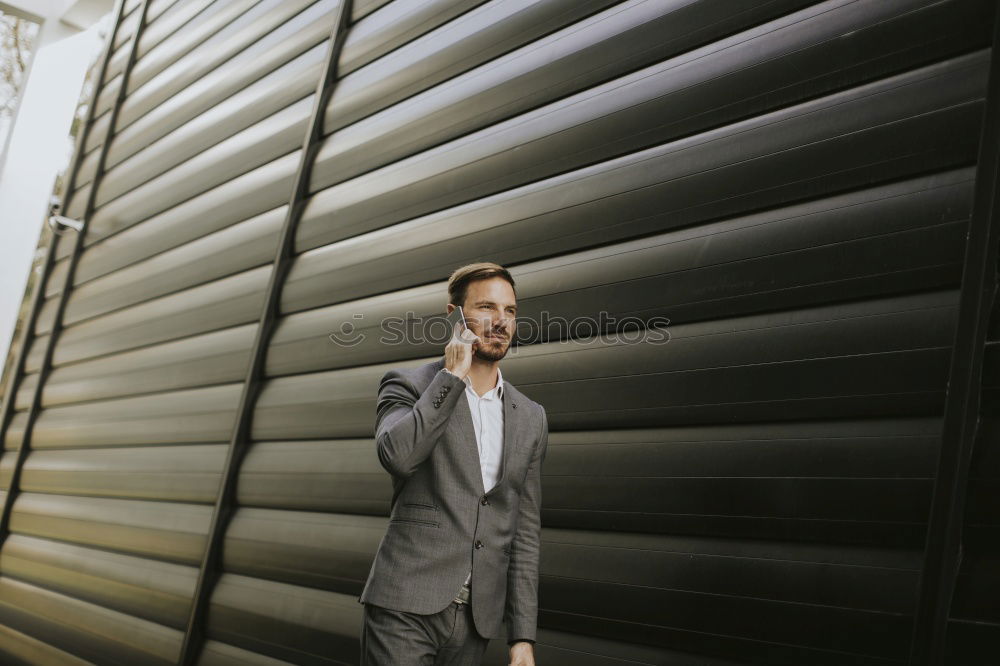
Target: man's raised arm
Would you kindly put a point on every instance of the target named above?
(408, 425)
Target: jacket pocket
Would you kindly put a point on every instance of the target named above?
(417, 521)
(416, 512)
(420, 505)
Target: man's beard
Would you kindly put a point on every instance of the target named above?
(492, 351)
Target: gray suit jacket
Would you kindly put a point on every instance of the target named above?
(442, 521)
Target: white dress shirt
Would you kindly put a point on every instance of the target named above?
(487, 418)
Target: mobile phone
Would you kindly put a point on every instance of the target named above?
(456, 316)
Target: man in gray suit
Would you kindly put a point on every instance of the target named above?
(458, 564)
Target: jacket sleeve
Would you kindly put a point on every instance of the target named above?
(407, 424)
(521, 612)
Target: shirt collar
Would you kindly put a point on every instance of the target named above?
(498, 388)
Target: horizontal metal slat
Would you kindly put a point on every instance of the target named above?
(889, 501)
(129, 19)
(158, 530)
(194, 416)
(214, 358)
(745, 258)
(780, 632)
(858, 375)
(854, 21)
(329, 552)
(128, 110)
(267, 97)
(159, 592)
(89, 631)
(130, 5)
(272, 51)
(748, 254)
(363, 8)
(20, 649)
(259, 144)
(226, 302)
(169, 120)
(765, 61)
(335, 476)
(207, 29)
(184, 59)
(255, 193)
(400, 22)
(6, 469)
(231, 250)
(784, 572)
(472, 39)
(977, 585)
(334, 553)
(825, 383)
(197, 14)
(619, 118)
(181, 473)
(284, 621)
(970, 642)
(74, 208)
(215, 653)
(253, 31)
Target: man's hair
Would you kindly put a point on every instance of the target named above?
(458, 283)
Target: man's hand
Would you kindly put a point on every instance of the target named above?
(458, 353)
(522, 654)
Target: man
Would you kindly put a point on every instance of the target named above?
(458, 564)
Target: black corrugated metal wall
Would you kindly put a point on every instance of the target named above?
(789, 182)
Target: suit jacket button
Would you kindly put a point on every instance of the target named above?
(479, 544)
(484, 501)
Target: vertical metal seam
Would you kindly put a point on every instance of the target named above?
(960, 422)
(210, 568)
(38, 299)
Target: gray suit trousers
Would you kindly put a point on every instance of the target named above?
(398, 638)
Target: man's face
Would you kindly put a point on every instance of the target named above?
(490, 310)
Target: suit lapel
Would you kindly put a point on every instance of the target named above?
(462, 422)
(510, 429)
(466, 431)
